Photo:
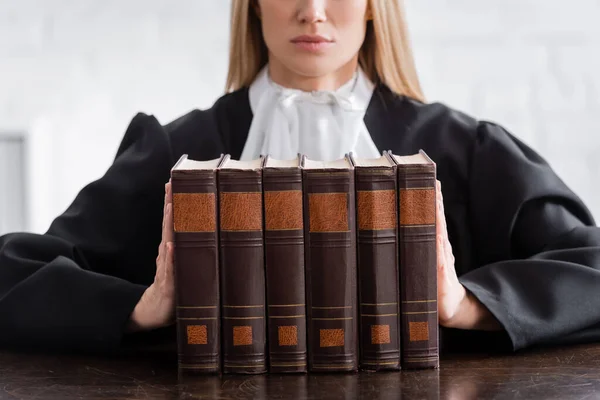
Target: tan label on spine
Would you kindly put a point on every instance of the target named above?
(242, 335)
(328, 212)
(380, 334)
(283, 210)
(288, 335)
(376, 209)
(197, 334)
(331, 337)
(418, 331)
(194, 212)
(241, 211)
(417, 206)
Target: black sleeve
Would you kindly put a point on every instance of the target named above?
(74, 287)
(536, 243)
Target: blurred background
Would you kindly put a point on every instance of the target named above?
(74, 72)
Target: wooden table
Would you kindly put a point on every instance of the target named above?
(559, 373)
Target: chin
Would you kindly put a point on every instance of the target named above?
(313, 66)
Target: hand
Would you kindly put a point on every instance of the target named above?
(451, 293)
(156, 308)
(457, 307)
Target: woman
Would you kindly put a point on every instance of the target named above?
(321, 77)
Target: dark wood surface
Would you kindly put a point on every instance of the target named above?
(560, 373)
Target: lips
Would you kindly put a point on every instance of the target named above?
(311, 39)
(312, 43)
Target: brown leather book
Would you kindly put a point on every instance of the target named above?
(330, 263)
(242, 266)
(284, 256)
(418, 260)
(196, 265)
(377, 246)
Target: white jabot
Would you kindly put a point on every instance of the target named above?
(323, 125)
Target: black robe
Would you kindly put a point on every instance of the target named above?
(525, 244)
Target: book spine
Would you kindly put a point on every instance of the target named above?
(418, 266)
(379, 288)
(196, 262)
(330, 262)
(242, 272)
(284, 253)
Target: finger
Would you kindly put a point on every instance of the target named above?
(166, 198)
(444, 225)
(169, 192)
(167, 273)
(161, 247)
(440, 217)
(442, 271)
(169, 262)
(447, 244)
(164, 226)
(162, 274)
(449, 255)
(441, 252)
(440, 198)
(169, 283)
(442, 211)
(443, 219)
(161, 257)
(169, 223)
(160, 260)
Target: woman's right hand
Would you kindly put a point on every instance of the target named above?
(156, 308)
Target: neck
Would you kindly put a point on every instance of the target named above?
(285, 77)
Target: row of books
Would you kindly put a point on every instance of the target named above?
(304, 266)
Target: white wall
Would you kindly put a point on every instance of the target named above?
(74, 72)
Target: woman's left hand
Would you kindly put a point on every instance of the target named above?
(457, 307)
(451, 292)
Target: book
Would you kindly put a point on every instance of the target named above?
(196, 264)
(330, 264)
(418, 260)
(242, 266)
(377, 262)
(284, 257)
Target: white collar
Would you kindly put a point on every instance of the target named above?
(359, 89)
(323, 125)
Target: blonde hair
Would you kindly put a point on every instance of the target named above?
(385, 56)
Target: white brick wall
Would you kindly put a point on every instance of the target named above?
(74, 72)
(530, 65)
